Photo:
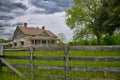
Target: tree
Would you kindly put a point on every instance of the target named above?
(112, 8)
(2, 40)
(107, 18)
(61, 37)
(83, 13)
(99, 17)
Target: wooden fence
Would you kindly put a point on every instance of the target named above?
(66, 58)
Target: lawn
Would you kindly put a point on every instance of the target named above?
(9, 75)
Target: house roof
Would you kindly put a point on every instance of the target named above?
(35, 31)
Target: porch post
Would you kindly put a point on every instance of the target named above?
(40, 43)
(46, 43)
(50, 43)
(34, 42)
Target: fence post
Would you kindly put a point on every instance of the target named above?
(31, 62)
(67, 62)
(1, 54)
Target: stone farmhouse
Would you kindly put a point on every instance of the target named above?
(25, 36)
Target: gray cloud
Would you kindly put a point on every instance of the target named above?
(4, 29)
(16, 24)
(1, 29)
(6, 17)
(3, 24)
(8, 11)
(8, 5)
(51, 6)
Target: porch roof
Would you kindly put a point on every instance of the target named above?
(43, 38)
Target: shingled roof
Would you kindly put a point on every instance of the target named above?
(35, 31)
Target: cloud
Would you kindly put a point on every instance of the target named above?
(3, 23)
(6, 30)
(6, 17)
(9, 10)
(17, 23)
(9, 5)
(51, 6)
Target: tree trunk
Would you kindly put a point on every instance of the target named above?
(99, 39)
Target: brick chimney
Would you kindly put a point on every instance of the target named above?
(25, 25)
(43, 28)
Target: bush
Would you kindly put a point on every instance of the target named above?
(107, 40)
(84, 42)
(112, 40)
(2, 40)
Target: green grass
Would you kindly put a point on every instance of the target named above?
(94, 53)
(9, 75)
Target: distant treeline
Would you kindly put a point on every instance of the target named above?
(107, 40)
(2, 40)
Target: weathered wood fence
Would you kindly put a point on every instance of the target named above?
(66, 58)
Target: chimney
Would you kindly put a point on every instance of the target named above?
(43, 28)
(25, 25)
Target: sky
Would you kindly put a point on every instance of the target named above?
(37, 13)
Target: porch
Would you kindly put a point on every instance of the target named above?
(44, 43)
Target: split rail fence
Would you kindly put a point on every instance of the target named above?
(67, 58)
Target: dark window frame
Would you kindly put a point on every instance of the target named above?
(44, 42)
(52, 42)
(15, 44)
(32, 41)
(22, 43)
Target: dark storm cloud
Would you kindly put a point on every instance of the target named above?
(19, 5)
(18, 24)
(6, 17)
(8, 6)
(1, 29)
(3, 25)
(51, 6)
(8, 11)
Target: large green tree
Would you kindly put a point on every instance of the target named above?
(112, 8)
(82, 13)
(107, 19)
(98, 17)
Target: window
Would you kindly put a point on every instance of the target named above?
(10, 45)
(43, 41)
(32, 42)
(15, 44)
(52, 42)
(22, 43)
(48, 41)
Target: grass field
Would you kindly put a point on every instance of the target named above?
(9, 75)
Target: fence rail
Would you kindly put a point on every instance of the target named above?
(99, 59)
(67, 58)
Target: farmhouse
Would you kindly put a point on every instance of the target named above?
(25, 36)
